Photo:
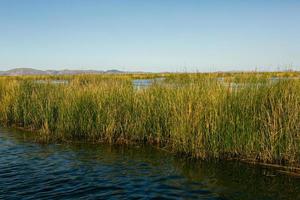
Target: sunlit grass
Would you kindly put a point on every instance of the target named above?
(193, 114)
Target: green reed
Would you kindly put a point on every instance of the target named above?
(243, 116)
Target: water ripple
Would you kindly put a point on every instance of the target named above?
(32, 171)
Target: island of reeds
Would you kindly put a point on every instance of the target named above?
(254, 116)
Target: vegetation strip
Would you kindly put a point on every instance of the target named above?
(199, 115)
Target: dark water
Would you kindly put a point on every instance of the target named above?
(33, 171)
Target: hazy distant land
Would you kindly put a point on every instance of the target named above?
(31, 71)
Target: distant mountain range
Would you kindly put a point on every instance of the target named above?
(30, 71)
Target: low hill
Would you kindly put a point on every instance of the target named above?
(31, 71)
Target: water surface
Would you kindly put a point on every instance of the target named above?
(145, 83)
(29, 170)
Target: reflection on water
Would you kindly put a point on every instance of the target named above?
(145, 83)
(52, 81)
(34, 171)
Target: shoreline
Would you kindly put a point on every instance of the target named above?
(194, 115)
(293, 171)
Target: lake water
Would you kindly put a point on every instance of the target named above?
(52, 81)
(29, 170)
(137, 83)
(145, 83)
(140, 84)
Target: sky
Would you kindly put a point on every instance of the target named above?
(150, 35)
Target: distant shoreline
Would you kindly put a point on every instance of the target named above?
(32, 71)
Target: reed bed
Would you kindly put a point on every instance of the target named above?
(190, 114)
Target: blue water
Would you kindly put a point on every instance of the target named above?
(29, 170)
(145, 83)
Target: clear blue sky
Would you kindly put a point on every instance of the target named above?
(150, 35)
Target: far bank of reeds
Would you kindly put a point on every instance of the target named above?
(249, 117)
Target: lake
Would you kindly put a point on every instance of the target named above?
(29, 170)
(145, 83)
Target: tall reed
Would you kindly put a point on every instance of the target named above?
(242, 116)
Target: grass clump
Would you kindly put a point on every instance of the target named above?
(247, 116)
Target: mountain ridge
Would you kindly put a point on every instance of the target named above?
(32, 71)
